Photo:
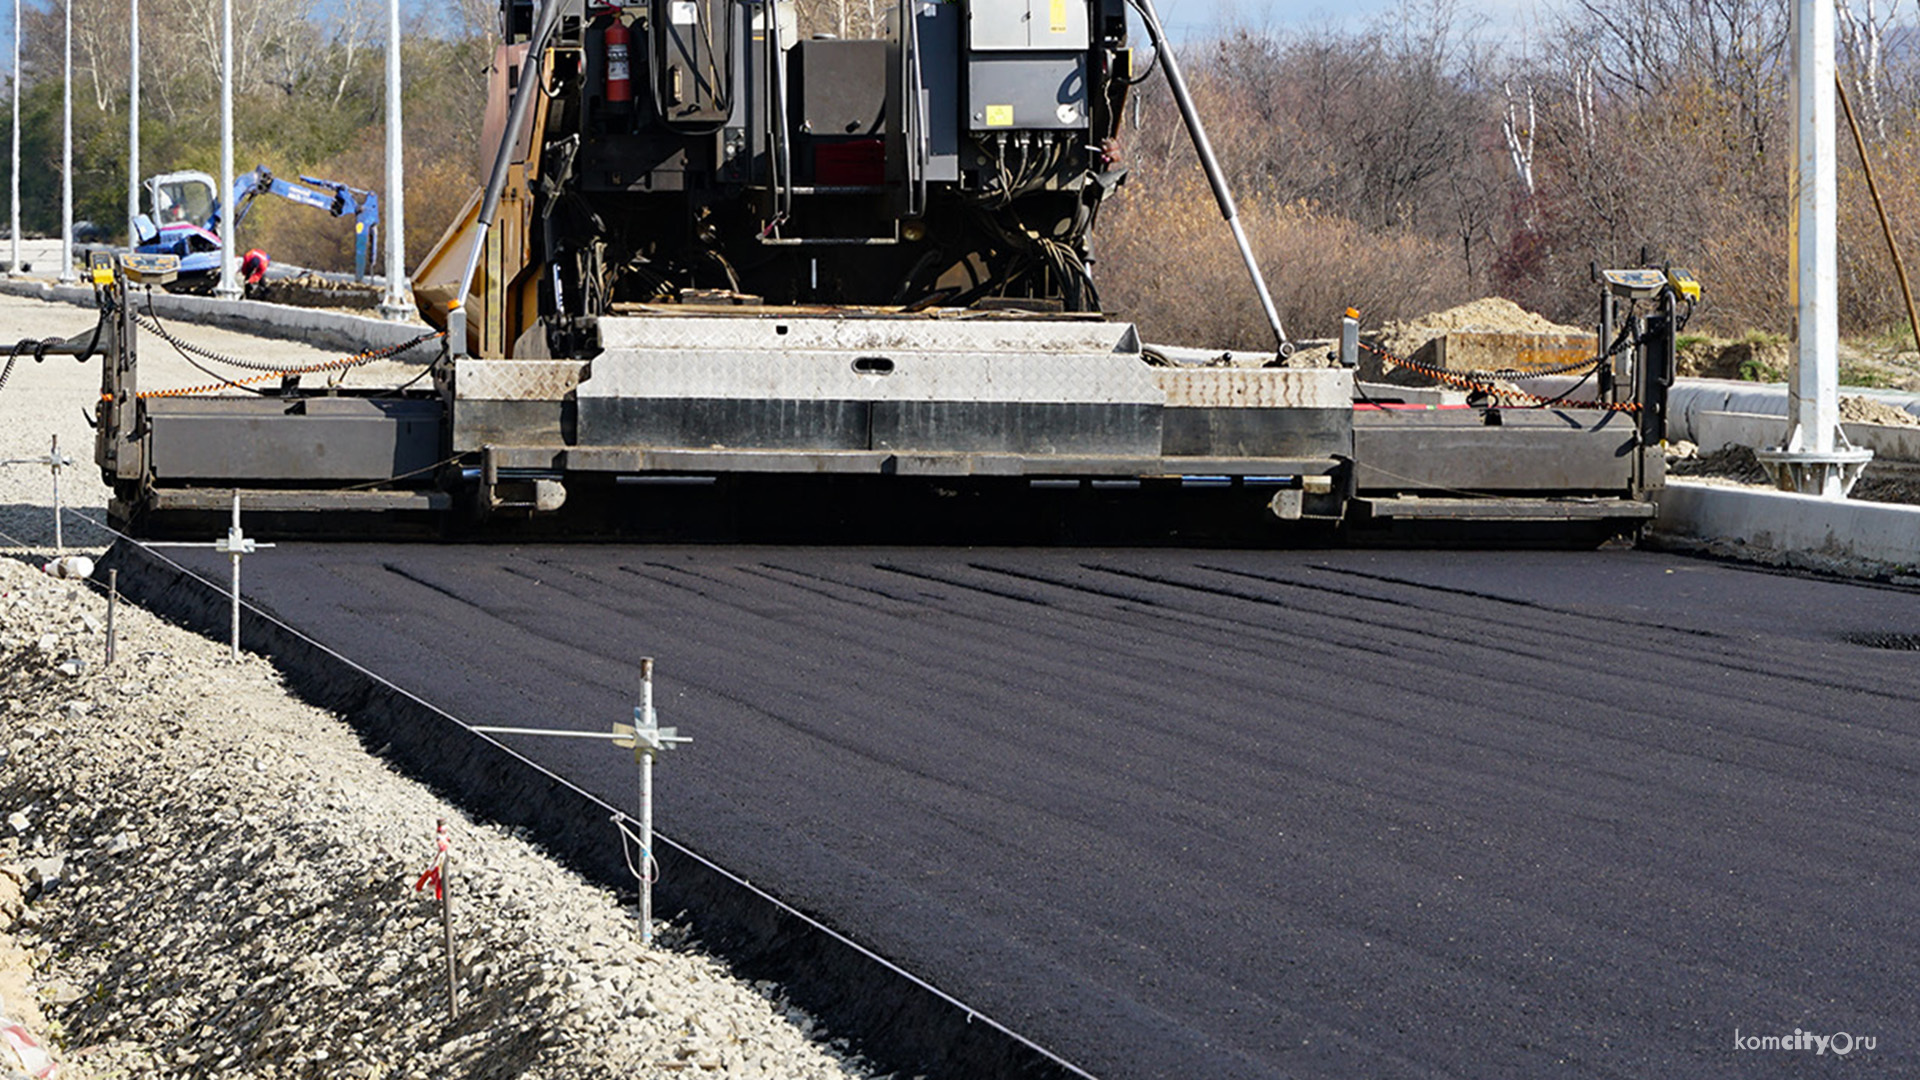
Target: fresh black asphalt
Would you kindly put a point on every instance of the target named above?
(1245, 814)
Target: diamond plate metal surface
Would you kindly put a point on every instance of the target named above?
(1256, 388)
(516, 380)
(785, 375)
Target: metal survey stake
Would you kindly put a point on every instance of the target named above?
(113, 602)
(646, 738)
(439, 874)
(446, 923)
(56, 461)
(234, 544)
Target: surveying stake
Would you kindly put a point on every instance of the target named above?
(646, 738)
(56, 461)
(234, 544)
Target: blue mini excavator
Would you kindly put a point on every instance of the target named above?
(186, 220)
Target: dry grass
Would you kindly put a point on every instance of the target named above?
(1168, 263)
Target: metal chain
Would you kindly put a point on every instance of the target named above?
(150, 322)
(152, 326)
(367, 357)
(1621, 344)
(1473, 380)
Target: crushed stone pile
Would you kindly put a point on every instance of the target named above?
(211, 879)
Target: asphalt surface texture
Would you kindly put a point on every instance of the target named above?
(1177, 813)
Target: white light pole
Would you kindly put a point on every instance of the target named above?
(228, 288)
(1815, 457)
(13, 268)
(397, 305)
(133, 120)
(67, 276)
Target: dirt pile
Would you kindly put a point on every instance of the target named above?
(1493, 315)
(316, 291)
(1756, 359)
(1416, 339)
(1860, 409)
(1731, 463)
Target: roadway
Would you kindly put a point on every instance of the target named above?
(1244, 814)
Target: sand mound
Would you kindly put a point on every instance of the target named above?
(1492, 315)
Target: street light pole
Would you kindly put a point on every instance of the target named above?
(1814, 458)
(133, 120)
(229, 288)
(397, 305)
(67, 276)
(13, 268)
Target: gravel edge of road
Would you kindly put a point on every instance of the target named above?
(213, 878)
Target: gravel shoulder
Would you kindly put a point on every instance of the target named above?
(202, 876)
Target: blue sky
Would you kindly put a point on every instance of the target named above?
(1185, 19)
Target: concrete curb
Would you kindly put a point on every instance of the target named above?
(321, 329)
(1714, 430)
(1788, 525)
(1690, 398)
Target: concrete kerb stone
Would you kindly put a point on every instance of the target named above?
(1714, 430)
(1791, 527)
(322, 329)
(1692, 398)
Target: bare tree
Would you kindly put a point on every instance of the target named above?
(1519, 136)
(1863, 40)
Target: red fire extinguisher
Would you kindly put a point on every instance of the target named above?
(619, 63)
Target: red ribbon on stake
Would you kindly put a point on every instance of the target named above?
(433, 871)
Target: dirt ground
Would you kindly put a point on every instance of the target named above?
(1884, 482)
(1761, 358)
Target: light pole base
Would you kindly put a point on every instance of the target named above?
(397, 307)
(1827, 473)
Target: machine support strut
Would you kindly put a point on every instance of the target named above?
(497, 180)
(1215, 178)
